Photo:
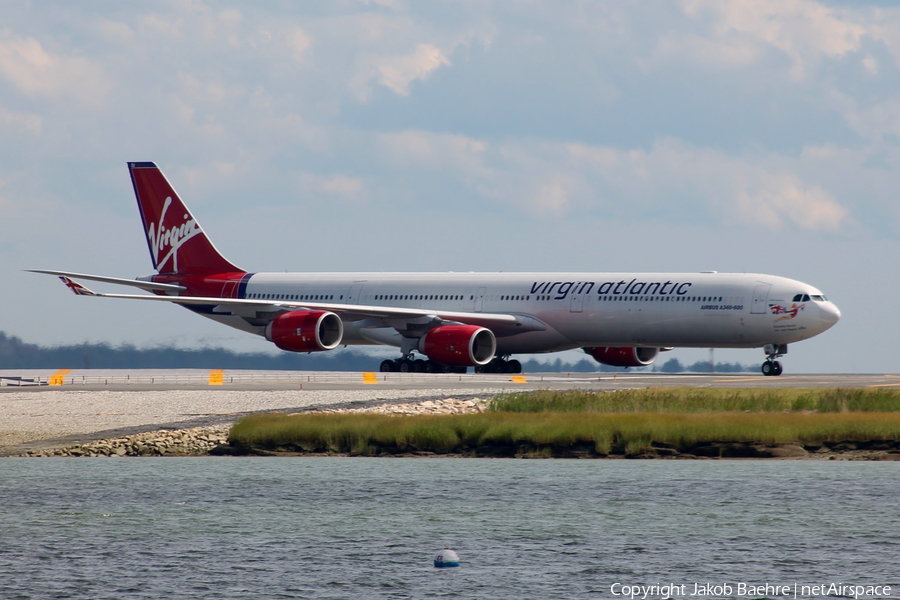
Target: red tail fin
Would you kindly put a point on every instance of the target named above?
(177, 243)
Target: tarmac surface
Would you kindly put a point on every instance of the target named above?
(43, 409)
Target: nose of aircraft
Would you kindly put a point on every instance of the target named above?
(829, 314)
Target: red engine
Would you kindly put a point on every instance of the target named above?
(623, 357)
(306, 331)
(459, 345)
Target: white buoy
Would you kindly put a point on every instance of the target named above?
(446, 558)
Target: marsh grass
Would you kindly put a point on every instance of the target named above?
(693, 400)
(531, 434)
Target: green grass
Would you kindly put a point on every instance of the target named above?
(693, 400)
(625, 422)
(533, 433)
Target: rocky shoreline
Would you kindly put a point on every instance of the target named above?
(201, 441)
(205, 441)
(447, 406)
(195, 441)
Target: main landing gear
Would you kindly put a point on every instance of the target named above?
(500, 365)
(409, 365)
(772, 368)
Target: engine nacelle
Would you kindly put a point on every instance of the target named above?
(306, 331)
(459, 345)
(623, 357)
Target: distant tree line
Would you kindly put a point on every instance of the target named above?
(16, 354)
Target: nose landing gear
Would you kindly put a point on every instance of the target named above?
(772, 368)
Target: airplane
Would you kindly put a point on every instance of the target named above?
(461, 320)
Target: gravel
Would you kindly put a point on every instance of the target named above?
(47, 415)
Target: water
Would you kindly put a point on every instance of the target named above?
(369, 528)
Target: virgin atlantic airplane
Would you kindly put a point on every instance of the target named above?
(460, 320)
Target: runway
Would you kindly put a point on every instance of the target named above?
(55, 408)
(197, 379)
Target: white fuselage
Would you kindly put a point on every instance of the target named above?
(572, 310)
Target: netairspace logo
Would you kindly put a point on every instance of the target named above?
(749, 590)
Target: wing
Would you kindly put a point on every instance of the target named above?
(144, 285)
(401, 319)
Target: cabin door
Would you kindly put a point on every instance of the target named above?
(354, 294)
(760, 296)
(479, 299)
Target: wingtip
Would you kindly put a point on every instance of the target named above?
(76, 287)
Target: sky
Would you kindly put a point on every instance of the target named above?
(728, 135)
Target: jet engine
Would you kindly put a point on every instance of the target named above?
(306, 331)
(623, 357)
(459, 345)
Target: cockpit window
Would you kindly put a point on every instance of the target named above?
(798, 298)
(818, 298)
(805, 297)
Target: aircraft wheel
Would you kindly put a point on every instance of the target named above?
(387, 366)
(419, 366)
(777, 369)
(406, 365)
(767, 368)
(514, 366)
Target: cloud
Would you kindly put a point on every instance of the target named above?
(36, 72)
(158, 25)
(206, 178)
(672, 180)
(802, 29)
(20, 121)
(871, 122)
(399, 71)
(736, 190)
(210, 92)
(461, 155)
(339, 187)
(297, 42)
(114, 30)
(553, 196)
(784, 200)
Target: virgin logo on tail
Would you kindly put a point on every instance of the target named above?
(170, 240)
